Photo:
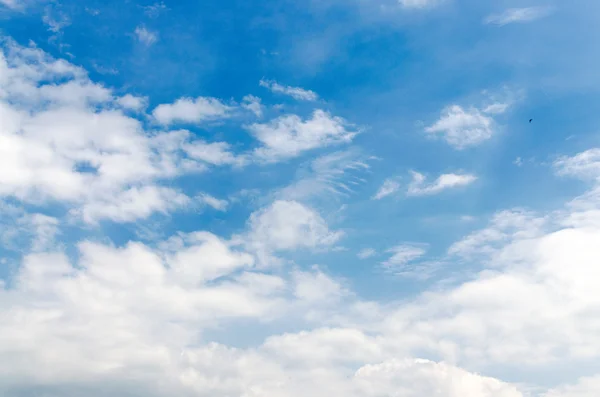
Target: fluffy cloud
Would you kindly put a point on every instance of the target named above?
(189, 110)
(463, 128)
(418, 186)
(65, 139)
(289, 135)
(295, 92)
(287, 225)
(519, 15)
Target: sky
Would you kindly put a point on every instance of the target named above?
(242, 198)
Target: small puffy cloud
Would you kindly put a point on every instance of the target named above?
(419, 187)
(366, 253)
(189, 110)
(288, 136)
(133, 102)
(287, 225)
(390, 186)
(252, 103)
(519, 15)
(295, 92)
(463, 128)
(145, 36)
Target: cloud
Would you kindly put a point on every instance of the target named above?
(295, 92)
(189, 110)
(217, 204)
(464, 128)
(154, 10)
(145, 36)
(288, 225)
(418, 186)
(132, 204)
(252, 103)
(402, 256)
(332, 175)
(366, 253)
(13, 4)
(519, 15)
(416, 378)
(132, 102)
(389, 187)
(288, 136)
(585, 165)
(65, 139)
(418, 4)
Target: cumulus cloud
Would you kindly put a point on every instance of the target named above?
(287, 225)
(389, 187)
(189, 110)
(64, 138)
(295, 92)
(463, 128)
(133, 102)
(419, 187)
(519, 15)
(288, 136)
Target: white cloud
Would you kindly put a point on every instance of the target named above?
(366, 253)
(132, 204)
(253, 104)
(585, 165)
(463, 128)
(519, 15)
(390, 186)
(287, 225)
(418, 186)
(416, 4)
(13, 4)
(189, 110)
(64, 138)
(154, 10)
(215, 153)
(289, 135)
(332, 175)
(132, 102)
(402, 255)
(217, 204)
(585, 387)
(145, 36)
(295, 92)
(418, 378)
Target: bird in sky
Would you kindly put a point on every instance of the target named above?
(530, 120)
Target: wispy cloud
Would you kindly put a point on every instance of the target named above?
(145, 36)
(389, 187)
(366, 253)
(295, 92)
(519, 15)
(419, 187)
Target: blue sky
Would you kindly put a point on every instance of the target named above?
(284, 198)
